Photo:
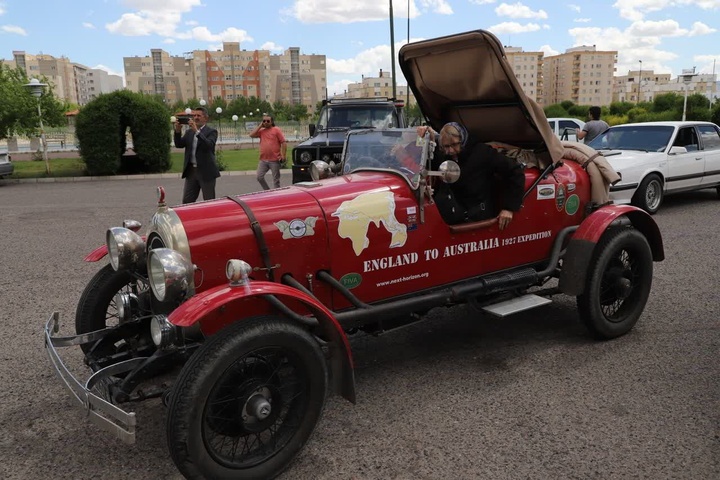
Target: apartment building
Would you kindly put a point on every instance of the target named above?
(72, 82)
(528, 69)
(582, 74)
(645, 85)
(380, 86)
(230, 73)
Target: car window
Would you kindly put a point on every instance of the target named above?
(567, 124)
(376, 116)
(650, 138)
(552, 125)
(710, 137)
(687, 137)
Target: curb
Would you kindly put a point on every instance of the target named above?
(120, 177)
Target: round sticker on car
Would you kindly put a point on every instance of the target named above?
(572, 205)
(560, 197)
(351, 280)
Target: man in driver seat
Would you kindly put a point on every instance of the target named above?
(482, 169)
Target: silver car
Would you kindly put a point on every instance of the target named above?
(6, 166)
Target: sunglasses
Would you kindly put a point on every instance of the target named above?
(266, 121)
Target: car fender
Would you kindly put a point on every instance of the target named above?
(578, 255)
(213, 307)
(96, 254)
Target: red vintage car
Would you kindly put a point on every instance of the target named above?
(251, 300)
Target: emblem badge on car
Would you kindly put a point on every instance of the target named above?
(297, 228)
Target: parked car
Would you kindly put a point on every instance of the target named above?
(564, 128)
(252, 299)
(659, 158)
(6, 166)
(336, 118)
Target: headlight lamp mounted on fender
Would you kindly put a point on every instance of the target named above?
(126, 248)
(170, 274)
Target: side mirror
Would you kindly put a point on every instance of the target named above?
(449, 172)
(311, 129)
(675, 150)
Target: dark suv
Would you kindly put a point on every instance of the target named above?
(336, 118)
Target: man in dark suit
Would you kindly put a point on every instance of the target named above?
(200, 170)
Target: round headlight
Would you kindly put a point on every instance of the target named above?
(319, 170)
(170, 274)
(305, 157)
(163, 332)
(126, 248)
(326, 158)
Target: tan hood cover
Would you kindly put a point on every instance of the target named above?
(466, 78)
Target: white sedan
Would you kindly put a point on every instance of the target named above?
(659, 158)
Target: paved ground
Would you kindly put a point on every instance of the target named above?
(459, 396)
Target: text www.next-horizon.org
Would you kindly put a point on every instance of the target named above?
(403, 279)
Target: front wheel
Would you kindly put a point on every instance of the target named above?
(649, 194)
(617, 285)
(247, 401)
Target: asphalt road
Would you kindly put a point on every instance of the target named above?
(458, 396)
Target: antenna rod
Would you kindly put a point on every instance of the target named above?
(392, 48)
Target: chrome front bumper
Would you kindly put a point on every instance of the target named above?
(100, 412)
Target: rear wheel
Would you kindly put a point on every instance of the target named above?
(246, 403)
(649, 194)
(618, 284)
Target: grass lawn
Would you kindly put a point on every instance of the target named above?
(235, 160)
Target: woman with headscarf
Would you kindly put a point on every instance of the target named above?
(482, 168)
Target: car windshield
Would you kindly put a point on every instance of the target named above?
(647, 138)
(398, 150)
(344, 117)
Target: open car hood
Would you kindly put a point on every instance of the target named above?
(466, 78)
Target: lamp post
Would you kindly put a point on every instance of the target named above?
(218, 110)
(640, 82)
(202, 102)
(235, 119)
(36, 90)
(687, 77)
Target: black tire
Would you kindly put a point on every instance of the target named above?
(718, 190)
(212, 434)
(96, 309)
(617, 285)
(649, 194)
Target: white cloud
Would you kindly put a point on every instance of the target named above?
(108, 70)
(351, 11)
(548, 51)
(88, 25)
(575, 8)
(635, 10)
(518, 10)
(699, 28)
(711, 63)
(13, 29)
(272, 46)
(513, 27)
(2, 9)
(482, 2)
(437, 6)
(338, 87)
(582, 20)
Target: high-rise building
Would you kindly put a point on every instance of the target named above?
(72, 82)
(582, 74)
(528, 69)
(230, 73)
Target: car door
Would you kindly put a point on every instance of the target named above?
(710, 141)
(685, 170)
(567, 131)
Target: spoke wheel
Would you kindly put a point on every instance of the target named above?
(649, 194)
(97, 308)
(618, 283)
(247, 401)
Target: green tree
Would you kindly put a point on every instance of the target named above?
(18, 108)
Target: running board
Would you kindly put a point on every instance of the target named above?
(515, 305)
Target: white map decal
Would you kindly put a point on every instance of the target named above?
(374, 207)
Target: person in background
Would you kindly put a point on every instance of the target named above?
(200, 169)
(593, 128)
(273, 150)
(481, 166)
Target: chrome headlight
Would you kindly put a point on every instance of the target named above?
(170, 274)
(125, 248)
(163, 332)
(305, 157)
(237, 271)
(319, 170)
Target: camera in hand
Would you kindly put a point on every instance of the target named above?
(183, 119)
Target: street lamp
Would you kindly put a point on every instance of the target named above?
(218, 110)
(36, 90)
(687, 77)
(235, 119)
(202, 102)
(640, 82)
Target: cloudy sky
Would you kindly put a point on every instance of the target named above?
(666, 35)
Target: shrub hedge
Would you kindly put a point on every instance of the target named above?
(101, 128)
